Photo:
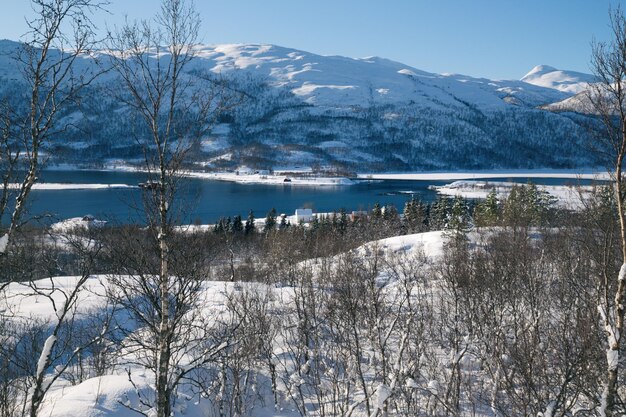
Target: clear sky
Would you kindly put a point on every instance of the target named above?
(499, 39)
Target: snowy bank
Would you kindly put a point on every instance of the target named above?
(430, 244)
(589, 174)
(85, 222)
(571, 197)
(57, 186)
(270, 179)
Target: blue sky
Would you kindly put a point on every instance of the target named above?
(500, 39)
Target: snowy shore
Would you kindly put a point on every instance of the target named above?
(278, 178)
(270, 179)
(571, 197)
(586, 174)
(58, 186)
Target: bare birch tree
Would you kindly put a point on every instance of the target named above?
(59, 35)
(64, 302)
(608, 100)
(173, 109)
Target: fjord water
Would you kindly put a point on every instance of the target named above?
(206, 201)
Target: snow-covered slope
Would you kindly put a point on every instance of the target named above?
(340, 81)
(580, 103)
(304, 109)
(566, 81)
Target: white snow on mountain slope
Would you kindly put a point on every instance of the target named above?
(387, 115)
(566, 81)
(336, 81)
(579, 103)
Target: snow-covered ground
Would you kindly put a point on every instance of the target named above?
(397, 282)
(74, 223)
(567, 196)
(588, 174)
(271, 179)
(430, 244)
(58, 186)
(109, 395)
(112, 394)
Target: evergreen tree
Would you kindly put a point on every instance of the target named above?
(377, 212)
(342, 223)
(527, 206)
(325, 223)
(270, 221)
(459, 221)
(488, 212)
(249, 227)
(439, 213)
(237, 226)
(415, 215)
(315, 223)
(219, 226)
(283, 222)
(390, 214)
(513, 206)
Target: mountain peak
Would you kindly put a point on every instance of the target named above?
(539, 69)
(567, 81)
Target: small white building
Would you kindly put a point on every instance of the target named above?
(244, 170)
(304, 215)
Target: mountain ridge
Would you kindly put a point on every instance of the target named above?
(309, 109)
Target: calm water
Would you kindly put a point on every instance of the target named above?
(210, 200)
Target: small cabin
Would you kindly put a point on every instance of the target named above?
(244, 170)
(304, 215)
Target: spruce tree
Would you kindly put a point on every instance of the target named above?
(415, 215)
(270, 221)
(488, 213)
(459, 222)
(342, 221)
(377, 212)
(249, 227)
(440, 213)
(237, 226)
(219, 226)
(283, 222)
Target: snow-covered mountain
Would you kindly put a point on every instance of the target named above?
(367, 113)
(566, 81)
(338, 81)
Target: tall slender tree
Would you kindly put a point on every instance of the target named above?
(608, 101)
(59, 35)
(172, 109)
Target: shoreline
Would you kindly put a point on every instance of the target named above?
(269, 179)
(570, 197)
(321, 180)
(582, 173)
(66, 186)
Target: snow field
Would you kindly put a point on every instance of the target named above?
(571, 197)
(112, 394)
(396, 356)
